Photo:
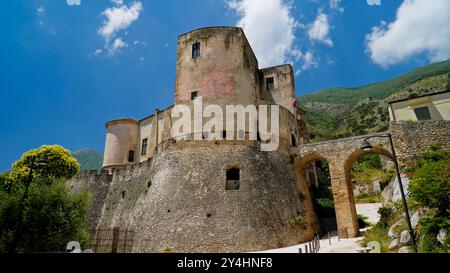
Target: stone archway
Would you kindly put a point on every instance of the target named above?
(301, 164)
(347, 166)
(340, 155)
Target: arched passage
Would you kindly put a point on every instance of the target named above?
(341, 154)
(314, 177)
(348, 164)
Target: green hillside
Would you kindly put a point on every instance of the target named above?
(89, 159)
(344, 112)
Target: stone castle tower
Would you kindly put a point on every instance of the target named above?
(202, 195)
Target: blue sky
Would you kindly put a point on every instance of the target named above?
(68, 66)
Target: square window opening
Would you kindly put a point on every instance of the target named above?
(270, 84)
(194, 95)
(422, 113)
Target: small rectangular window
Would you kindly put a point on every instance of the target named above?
(233, 177)
(422, 113)
(131, 156)
(195, 50)
(144, 146)
(270, 84)
(194, 95)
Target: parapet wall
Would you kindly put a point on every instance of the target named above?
(411, 139)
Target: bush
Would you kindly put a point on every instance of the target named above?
(431, 180)
(51, 217)
(385, 216)
(377, 234)
(362, 221)
(325, 208)
(428, 230)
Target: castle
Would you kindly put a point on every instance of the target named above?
(213, 196)
(217, 65)
(200, 195)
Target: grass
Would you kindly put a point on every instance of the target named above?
(368, 199)
(380, 235)
(368, 175)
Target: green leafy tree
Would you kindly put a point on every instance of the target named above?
(50, 216)
(431, 180)
(60, 164)
(2, 181)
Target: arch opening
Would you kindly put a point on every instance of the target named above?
(369, 176)
(315, 172)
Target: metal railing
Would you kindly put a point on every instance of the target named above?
(111, 240)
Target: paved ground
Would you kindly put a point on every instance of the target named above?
(369, 210)
(338, 246)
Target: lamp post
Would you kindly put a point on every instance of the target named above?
(42, 161)
(366, 146)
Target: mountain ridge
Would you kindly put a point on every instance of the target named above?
(89, 159)
(344, 112)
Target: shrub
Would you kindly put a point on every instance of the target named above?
(51, 217)
(301, 221)
(431, 180)
(385, 216)
(325, 207)
(362, 221)
(428, 230)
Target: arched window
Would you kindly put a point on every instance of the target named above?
(233, 179)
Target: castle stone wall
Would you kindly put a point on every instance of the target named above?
(179, 199)
(98, 185)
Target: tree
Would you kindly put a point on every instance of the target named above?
(60, 164)
(2, 181)
(50, 216)
(431, 180)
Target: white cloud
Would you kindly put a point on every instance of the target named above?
(319, 30)
(310, 61)
(117, 2)
(40, 11)
(97, 52)
(336, 5)
(270, 28)
(420, 27)
(119, 18)
(116, 46)
(73, 2)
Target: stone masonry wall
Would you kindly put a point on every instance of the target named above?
(179, 199)
(411, 139)
(98, 185)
